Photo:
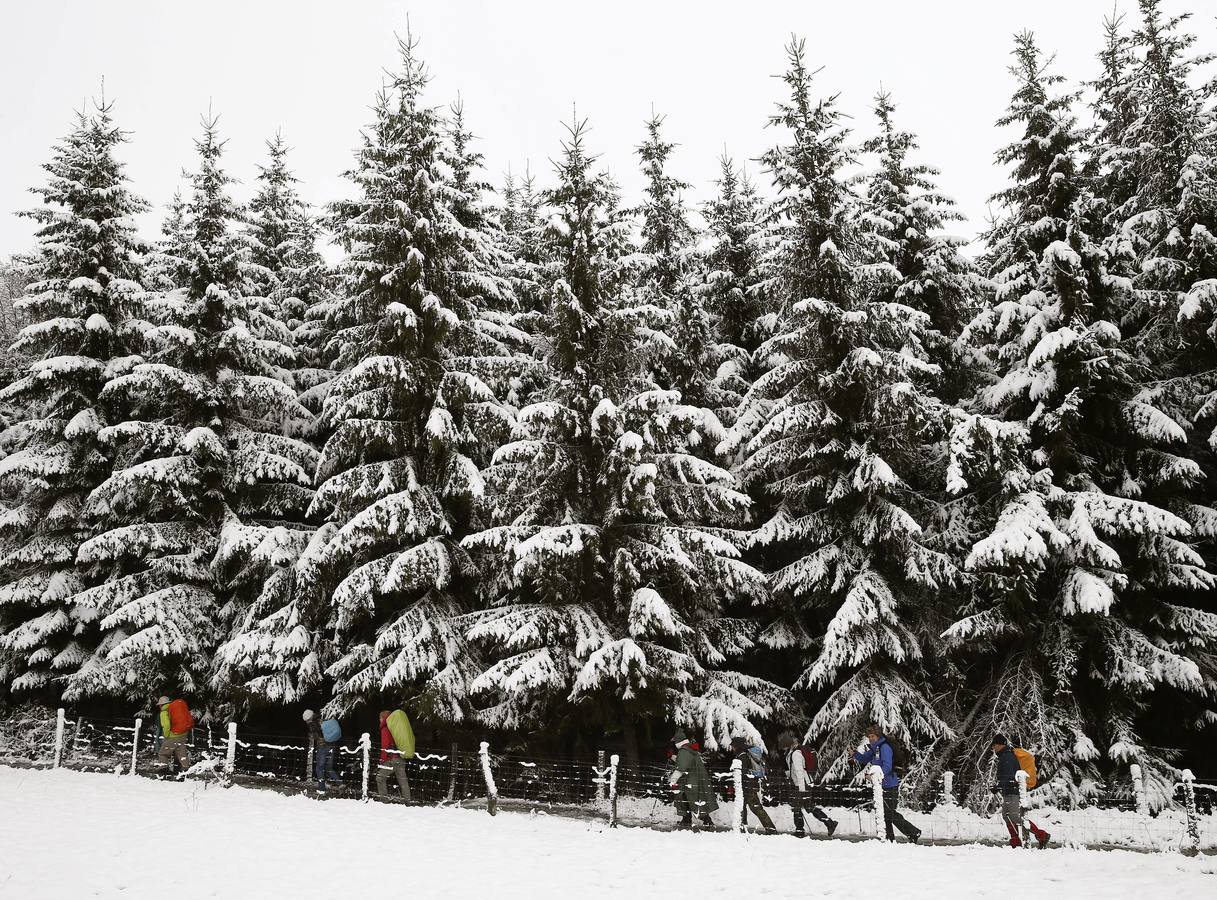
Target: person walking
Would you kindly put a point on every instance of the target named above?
(691, 782)
(323, 752)
(392, 755)
(875, 749)
(752, 760)
(1011, 798)
(176, 721)
(802, 777)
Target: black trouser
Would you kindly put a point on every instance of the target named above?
(752, 801)
(891, 815)
(805, 800)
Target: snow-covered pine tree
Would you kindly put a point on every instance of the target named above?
(165, 265)
(737, 309)
(848, 425)
(198, 450)
(396, 480)
(86, 278)
(610, 556)
(1077, 610)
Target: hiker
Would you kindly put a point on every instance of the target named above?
(176, 721)
(1008, 767)
(323, 748)
(801, 766)
(396, 746)
(877, 750)
(691, 782)
(752, 760)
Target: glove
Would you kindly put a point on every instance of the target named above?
(864, 746)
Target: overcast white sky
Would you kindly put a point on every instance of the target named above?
(310, 68)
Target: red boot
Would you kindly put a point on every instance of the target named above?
(1041, 837)
(1015, 841)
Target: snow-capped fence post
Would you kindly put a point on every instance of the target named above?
(453, 762)
(1193, 817)
(59, 722)
(1138, 789)
(308, 761)
(492, 792)
(1021, 777)
(614, 760)
(737, 782)
(135, 743)
(365, 744)
(602, 785)
(876, 780)
(230, 760)
(948, 787)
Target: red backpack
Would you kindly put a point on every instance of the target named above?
(180, 718)
(809, 761)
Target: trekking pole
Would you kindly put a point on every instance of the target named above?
(365, 743)
(492, 792)
(58, 738)
(1138, 789)
(1193, 817)
(135, 743)
(737, 780)
(876, 777)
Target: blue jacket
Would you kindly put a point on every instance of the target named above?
(1007, 772)
(880, 753)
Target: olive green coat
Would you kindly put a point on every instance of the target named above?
(696, 792)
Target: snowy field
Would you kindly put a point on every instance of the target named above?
(70, 835)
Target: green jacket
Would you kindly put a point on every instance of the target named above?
(168, 735)
(694, 781)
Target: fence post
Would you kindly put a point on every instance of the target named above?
(58, 738)
(737, 782)
(453, 762)
(308, 761)
(492, 792)
(948, 787)
(1193, 818)
(1138, 789)
(602, 788)
(365, 744)
(1021, 777)
(231, 760)
(876, 778)
(135, 743)
(612, 789)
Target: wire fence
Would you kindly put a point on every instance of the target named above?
(601, 789)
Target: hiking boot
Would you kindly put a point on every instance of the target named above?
(769, 829)
(706, 822)
(914, 837)
(1015, 842)
(685, 822)
(1042, 839)
(831, 825)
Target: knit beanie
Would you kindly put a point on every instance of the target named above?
(162, 701)
(680, 737)
(308, 715)
(1001, 739)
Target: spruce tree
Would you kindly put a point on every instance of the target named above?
(87, 277)
(848, 423)
(1080, 572)
(610, 555)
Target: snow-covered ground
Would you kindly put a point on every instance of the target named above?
(71, 835)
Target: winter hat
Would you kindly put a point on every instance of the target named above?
(739, 743)
(1000, 739)
(162, 701)
(680, 737)
(787, 740)
(308, 715)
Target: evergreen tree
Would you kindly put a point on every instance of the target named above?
(86, 277)
(848, 423)
(198, 451)
(397, 481)
(1078, 566)
(609, 559)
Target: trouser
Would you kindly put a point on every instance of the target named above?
(398, 767)
(686, 806)
(752, 801)
(891, 815)
(805, 800)
(1012, 813)
(172, 748)
(323, 764)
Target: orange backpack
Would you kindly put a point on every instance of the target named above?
(1026, 762)
(180, 718)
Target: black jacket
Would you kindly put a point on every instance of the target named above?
(1007, 769)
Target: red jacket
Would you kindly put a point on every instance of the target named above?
(386, 743)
